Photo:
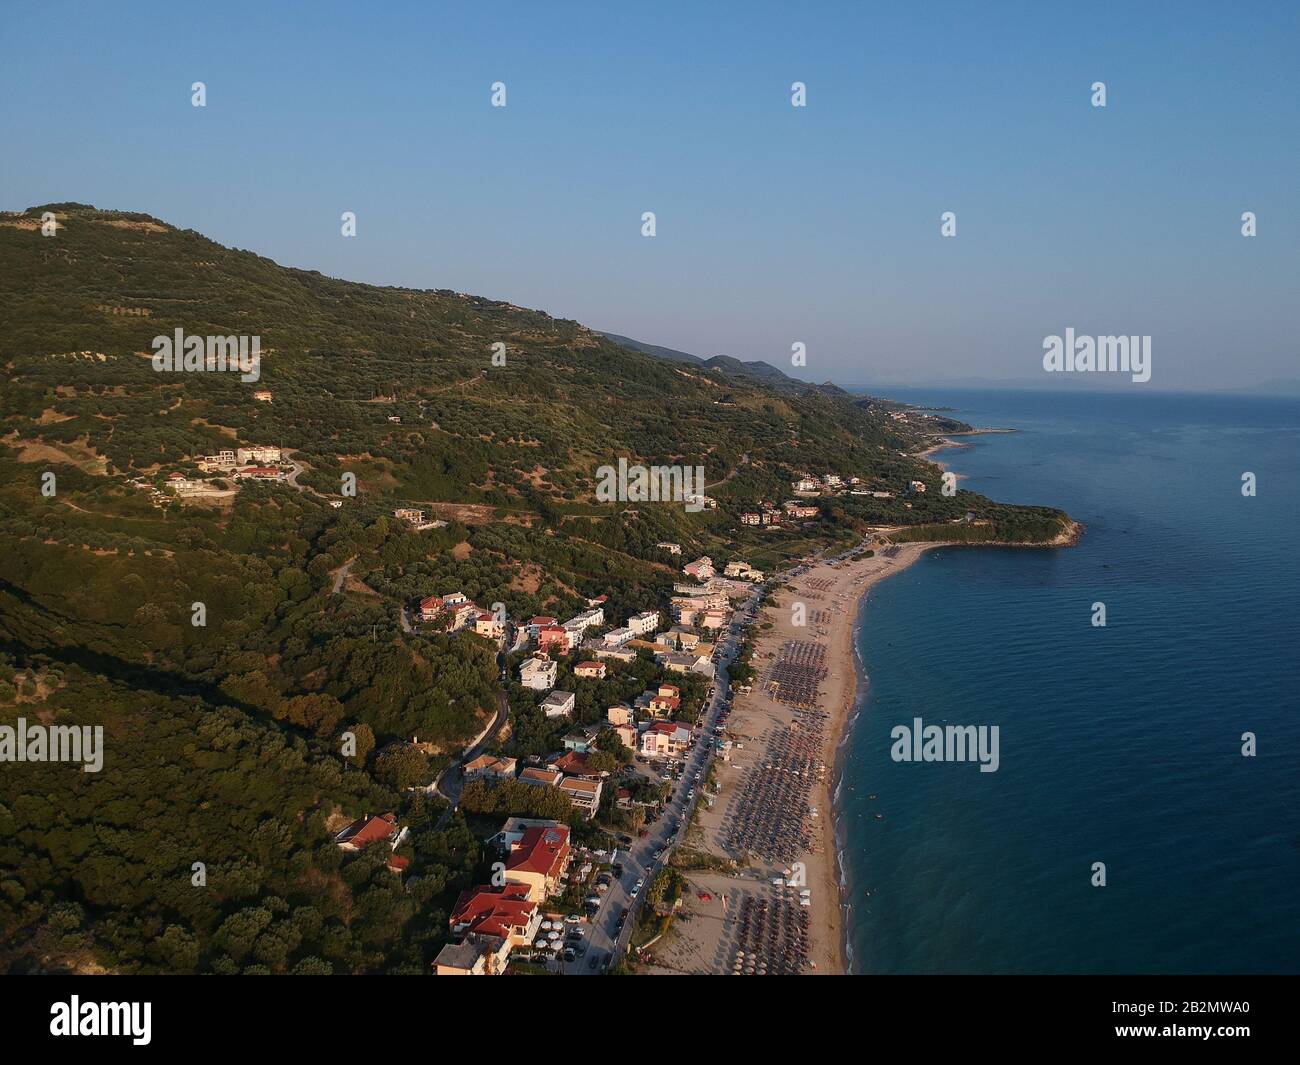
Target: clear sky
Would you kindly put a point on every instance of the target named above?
(775, 224)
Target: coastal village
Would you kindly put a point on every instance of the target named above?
(551, 885)
(768, 515)
(745, 799)
(752, 812)
(756, 808)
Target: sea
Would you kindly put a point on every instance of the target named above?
(1121, 749)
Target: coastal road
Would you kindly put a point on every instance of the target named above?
(451, 781)
(605, 937)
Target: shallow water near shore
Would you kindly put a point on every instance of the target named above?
(1119, 744)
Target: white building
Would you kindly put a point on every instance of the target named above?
(539, 674)
(618, 637)
(644, 623)
(558, 704)
(588, 619)
(257, 456)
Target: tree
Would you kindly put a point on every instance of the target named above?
(402, 766)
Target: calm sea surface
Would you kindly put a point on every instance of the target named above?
(1120, 744)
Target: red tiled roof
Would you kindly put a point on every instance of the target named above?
(572, 762)
(543, 849)
(494, 911)
(368, 829)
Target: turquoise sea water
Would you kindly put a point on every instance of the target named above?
(1119, 744)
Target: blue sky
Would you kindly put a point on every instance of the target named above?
(775, 224)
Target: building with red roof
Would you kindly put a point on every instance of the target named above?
(540, 858)
(549, 636)
(507, 912)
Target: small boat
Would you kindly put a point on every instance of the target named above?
(880, 817)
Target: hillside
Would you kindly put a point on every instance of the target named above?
(224, 736)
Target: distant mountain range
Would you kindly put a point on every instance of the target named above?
(725, 364)
(771, 375)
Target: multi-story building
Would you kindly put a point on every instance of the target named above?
(558, 704)
(258, 455)
(554, 637)
(539, 674)
(665, 739)
(644, 623)
(506, 912)
(583, 793)
(618, 637)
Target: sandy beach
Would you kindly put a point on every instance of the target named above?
(784, 760)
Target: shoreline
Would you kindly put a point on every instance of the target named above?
(835, 598)
(758, 775)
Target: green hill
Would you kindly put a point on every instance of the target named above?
(224, 737)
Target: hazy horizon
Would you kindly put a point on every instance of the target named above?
(776, 224)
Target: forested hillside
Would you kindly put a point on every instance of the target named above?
(224, 736)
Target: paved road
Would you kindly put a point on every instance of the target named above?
(604, 937)
(451, 780)
(341, 574)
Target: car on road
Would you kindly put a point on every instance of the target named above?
(593, 961)
(640, 883)
(572, 918)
